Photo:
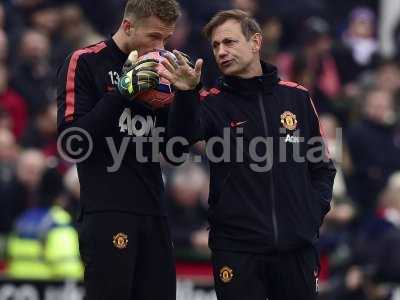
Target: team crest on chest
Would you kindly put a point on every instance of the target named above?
(226, 274)
(120, 240)
(288, 120)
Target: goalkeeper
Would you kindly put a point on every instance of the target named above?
(123, 233)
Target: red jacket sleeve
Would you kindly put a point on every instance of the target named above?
(78, 102)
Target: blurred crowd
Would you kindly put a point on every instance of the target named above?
(345, 52)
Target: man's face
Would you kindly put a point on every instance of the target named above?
(47, 20)
(379, 107)
(150, 33)
(35, 46)
(234, 54)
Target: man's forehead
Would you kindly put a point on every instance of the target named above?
(155, 24)
(230, 28)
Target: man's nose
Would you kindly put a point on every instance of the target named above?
(221, 52)
(160, 45)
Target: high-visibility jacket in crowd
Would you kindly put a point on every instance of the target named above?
(44, 245)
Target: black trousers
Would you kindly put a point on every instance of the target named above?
(127, 257)
(279, 276)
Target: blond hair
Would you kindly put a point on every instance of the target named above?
(167, 11)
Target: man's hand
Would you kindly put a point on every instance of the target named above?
(180, 72)
(138, 76)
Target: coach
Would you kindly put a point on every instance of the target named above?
(264, 213)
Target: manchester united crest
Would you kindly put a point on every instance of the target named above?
(288, 120)
(226, 274)
(120, 240)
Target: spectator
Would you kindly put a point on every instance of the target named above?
(199, 12)
(32, 78)
(314, 66)
(43, 244)
(72, 192)
(13, 104)
(5, 120)
(386, 263)
(374, 148)
(12, 24)
(333, 135)
(27, 4)
(336, 232)
(42, 132)
(44, 17)
(387, 77)
(8, 148)
(335, 245)
(272, 29)
(376, 260)
(249, 6)
(100, 14)
(30, 166)
(187, 212)
(358, 49)
(180, 38)
(389, 17)
(8, 158)
(76, 29)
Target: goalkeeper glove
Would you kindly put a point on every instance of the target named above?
(138, 76)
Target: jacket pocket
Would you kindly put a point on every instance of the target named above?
(217, 200)
(320, 207)
(222, 190)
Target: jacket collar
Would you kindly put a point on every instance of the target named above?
(253, 85)
(122, 56)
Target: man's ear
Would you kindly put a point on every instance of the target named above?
(256, 42)
(127, 26)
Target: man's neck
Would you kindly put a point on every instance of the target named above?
(120, 40)
(255, 70)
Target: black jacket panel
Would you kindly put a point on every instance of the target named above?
(262, 197)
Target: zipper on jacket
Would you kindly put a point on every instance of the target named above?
(272, 192)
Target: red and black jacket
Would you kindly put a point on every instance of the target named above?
(88, 100)
(277, 209)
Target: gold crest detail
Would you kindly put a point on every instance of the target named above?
(226, 274)
(288, 120)
(120, 240)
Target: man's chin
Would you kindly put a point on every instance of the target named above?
(228, 71)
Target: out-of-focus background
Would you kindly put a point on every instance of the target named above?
(345, 52)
